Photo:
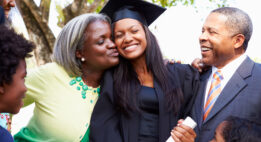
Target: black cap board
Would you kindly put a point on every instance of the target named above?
(140, 10)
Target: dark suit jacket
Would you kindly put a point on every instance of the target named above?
(5, 136)
(2, 15)
(240, 97)
(109, 125)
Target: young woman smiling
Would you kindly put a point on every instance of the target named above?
(148, 97)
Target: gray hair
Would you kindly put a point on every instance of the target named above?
(238, 21)
(71, 39)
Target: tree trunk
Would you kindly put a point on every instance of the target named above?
(36, 21)
(38, 30)
(78, 7)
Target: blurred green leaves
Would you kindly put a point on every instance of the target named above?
(170, 3)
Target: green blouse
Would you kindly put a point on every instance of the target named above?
(61, 113)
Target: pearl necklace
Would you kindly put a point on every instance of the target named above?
(81, 86)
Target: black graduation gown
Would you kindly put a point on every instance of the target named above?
(109, 125)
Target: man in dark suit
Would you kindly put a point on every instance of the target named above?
(232, 86)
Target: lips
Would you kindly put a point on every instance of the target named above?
(114, 53)
(23, 96)
(205, 48)
(130, 48)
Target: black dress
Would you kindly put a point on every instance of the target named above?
(110, 125)
(149, 115)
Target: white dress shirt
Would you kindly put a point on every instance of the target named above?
(227, 72)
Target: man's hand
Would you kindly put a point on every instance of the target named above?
(183, 133)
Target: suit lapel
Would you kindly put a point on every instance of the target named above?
(164, 118)
(235, 84)
(199, 103)
(124, 127)
(233, 87)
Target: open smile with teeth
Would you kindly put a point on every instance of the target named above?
(131, 47)
(204, 49)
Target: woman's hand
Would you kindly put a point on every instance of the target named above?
(183, 133)
(197, 63)
(172, 61)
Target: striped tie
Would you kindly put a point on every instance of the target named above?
(214, 91)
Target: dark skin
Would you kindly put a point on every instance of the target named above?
(7, 5)
(10, 98)
(145, 77)
(196, 63)
(218, 48)
(219, 45)
(131, 42)
(99, 52)
(92, 78)
(199, 65)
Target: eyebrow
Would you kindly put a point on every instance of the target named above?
(211, 28)
(133, 26)
(128, 28)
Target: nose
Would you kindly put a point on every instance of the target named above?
(111, 44)
(203, 37)
(128, 38)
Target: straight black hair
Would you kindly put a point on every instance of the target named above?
(127, 85)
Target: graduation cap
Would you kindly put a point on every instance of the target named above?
(140, 10)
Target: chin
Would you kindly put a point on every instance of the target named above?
(207, 62)
(14, 111)
(17, 109)
(134, 55)
(116, 62)
(113, 63)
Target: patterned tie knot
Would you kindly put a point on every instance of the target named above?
(218, 75)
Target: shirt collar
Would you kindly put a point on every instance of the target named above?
(230, 68)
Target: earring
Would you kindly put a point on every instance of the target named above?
(82, 59)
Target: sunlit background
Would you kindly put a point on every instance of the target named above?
(179, 28)
(177, 31)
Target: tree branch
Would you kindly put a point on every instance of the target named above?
(45, 8)
(43, 24)
(93, 6)
(38, 30)
(77, 5)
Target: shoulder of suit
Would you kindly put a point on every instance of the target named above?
(258, 65)
(178, 66)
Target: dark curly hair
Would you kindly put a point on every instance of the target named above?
(241, 130)
(13, 48)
